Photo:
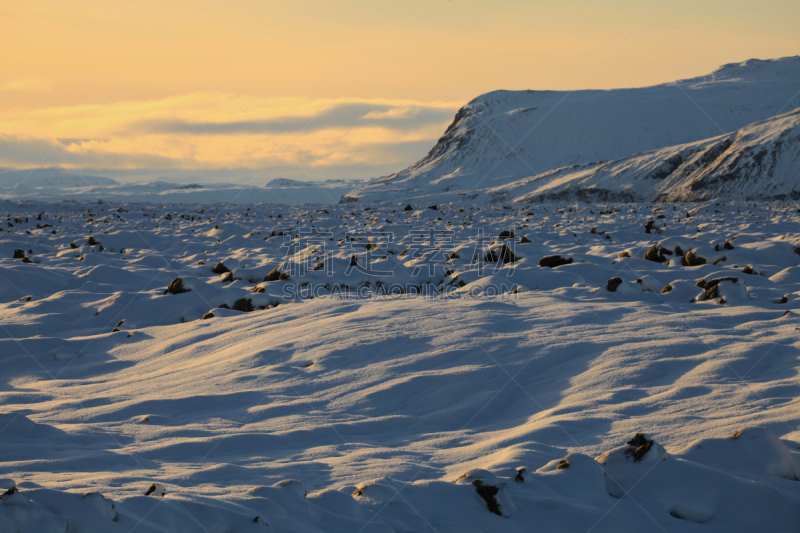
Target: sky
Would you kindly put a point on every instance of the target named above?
(252, 90)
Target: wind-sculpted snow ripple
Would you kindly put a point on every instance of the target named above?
(487, 384)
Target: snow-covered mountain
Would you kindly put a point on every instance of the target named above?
(759, 161)
(50, 177)
(53, 185)
(503, 136)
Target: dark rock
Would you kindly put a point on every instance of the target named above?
(275, 274)
(91, 241)
(208, 315)
(503, 255)
(220, 268)
(243, 304)
(553, 261)
(524, 240)
(408, 208)
(176, 287)
(563, 464)
(613, 283)
(691, 259)
(488, 493)
(657, 254)
(712, 287)
(116, 328)
(641, 446)
(19, 253)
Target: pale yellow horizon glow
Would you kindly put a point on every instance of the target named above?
(103, 84)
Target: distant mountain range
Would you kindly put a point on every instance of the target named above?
(23, 180)
(716, 136)
(50, 185)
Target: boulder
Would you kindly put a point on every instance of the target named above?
(553, 261)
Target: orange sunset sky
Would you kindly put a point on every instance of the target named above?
(243, 89)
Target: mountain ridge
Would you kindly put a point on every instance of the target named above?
(503, 136)
(759, 161)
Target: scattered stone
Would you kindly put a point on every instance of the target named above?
(613, 283)
(712, 287)
(502, 255)
(408, 208)
(243, 304)
(489, 495)
(640, 447)
(563, 464)
(220, 268)
(553, 261)
(19, 253)
(155, 490)
(91, 241)
(667, 288)
(176, 287)
(624, 253)
(691, 259)
(208, 315)
(657, 254)
(116, 328)
(275, 275)
(524, 240)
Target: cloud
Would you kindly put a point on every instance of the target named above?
(28, 153)
(200, 131)
(346, 115)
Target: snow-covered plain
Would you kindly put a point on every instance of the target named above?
(53, 184)
(458, 389)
